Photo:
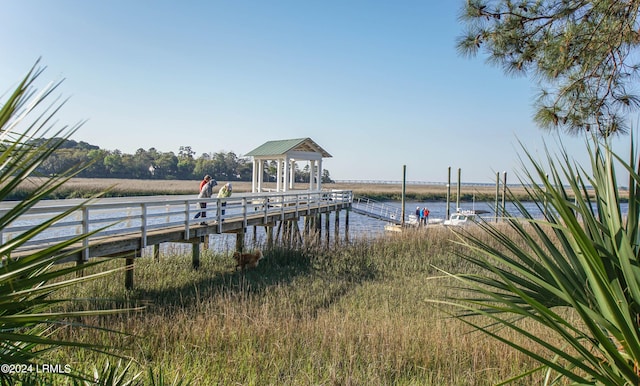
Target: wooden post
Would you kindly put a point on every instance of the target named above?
(336, 228)
(286, 233)
(205, 242)
(458, 191)
(128, 274)
(279, 231)
(297, 234)
(404, 192)
(291, 239)
(448, 212)
(346, 226)
(313, 227)
(504, 193)
(240, 241)
(156, 252)
(307, 232)
(195, 255)
(496, 210)
(306, 226)
(290, 228)
(269, 230)
(326, 227)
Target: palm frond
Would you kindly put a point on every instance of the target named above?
(29, 316)
(581, 257)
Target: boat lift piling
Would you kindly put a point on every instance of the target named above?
(448, 211)
(495, 215)
(458, 190)
(504, 193)
(404, 191)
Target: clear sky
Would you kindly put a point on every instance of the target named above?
(378, 84)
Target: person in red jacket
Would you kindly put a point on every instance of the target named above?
(425, 215)
(204, 181)
(205, 186)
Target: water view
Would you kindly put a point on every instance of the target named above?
(360, 226)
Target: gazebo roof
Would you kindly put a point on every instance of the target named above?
(282, 147)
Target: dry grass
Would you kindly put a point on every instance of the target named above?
(348, 316)
(78, 187)
(85, 187)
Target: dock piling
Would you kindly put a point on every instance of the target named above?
(129, 264)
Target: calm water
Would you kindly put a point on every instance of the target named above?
(360, 227)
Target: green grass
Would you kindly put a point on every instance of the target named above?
(350, 315)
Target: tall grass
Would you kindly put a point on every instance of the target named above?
(348, 315)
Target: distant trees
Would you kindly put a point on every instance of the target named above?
(223, 166)
(154, 164)
(584, 54)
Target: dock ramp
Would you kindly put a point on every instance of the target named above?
(378, 210)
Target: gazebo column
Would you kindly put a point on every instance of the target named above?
(285, 175)
(312, 168)
(254, 176)
(319, 183)
(279, 178)
(260, 167)
(292, 173)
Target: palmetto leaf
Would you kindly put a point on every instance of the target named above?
(28, 316)
(581, 258)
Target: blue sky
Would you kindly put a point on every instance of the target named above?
(378, 84)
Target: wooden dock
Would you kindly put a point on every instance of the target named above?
(122, 227)
(378, 210)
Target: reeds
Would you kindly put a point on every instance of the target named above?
(354, 315)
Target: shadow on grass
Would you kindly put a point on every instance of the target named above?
(318, 277)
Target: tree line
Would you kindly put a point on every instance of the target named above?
(155, 164)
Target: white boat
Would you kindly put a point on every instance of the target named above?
(435, 221)
(393, 228)
(463, 217)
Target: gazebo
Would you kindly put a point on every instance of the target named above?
(286, 153)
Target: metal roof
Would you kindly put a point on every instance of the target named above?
(282, 147)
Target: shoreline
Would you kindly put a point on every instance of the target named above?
(85, 187)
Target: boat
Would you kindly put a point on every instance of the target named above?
(393, 228)
(435, 221)
(413, 221)
(464, 217)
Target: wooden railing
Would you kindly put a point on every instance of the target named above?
(113, 217)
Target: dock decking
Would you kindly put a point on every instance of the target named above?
(124, 225)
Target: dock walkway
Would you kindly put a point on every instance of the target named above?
(121, 225)
(378, 210)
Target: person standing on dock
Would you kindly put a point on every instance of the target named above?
(224, 192)
(206, 179)
(206, 191)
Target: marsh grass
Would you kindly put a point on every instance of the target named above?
(350, 315)
(85, 187)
